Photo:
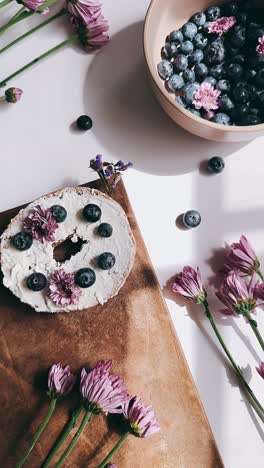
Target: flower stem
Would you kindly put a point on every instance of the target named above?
(236, 368)
(85, 420)
(38, 59)
(18, 13)
(254, 327)
(4, 3)
(19, 16)
(39, 432)
(105, 182)
(72, 423)
(259, 272)
(114, 450)
(28, 33)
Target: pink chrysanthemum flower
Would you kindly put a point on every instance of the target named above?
(260, 47)
(141, 419)
(40, 224)
(13, 95)
(260, 369)
(206, 97)
(62, 289)
(222, 25)
(101, 391)
(61, 380)
(92, 35)
(237, 295)
(34, 5)
(189, 284)
(242, 257)
(85, 10)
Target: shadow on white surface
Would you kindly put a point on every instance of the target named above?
(126, 114)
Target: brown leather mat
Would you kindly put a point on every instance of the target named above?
(134, 330)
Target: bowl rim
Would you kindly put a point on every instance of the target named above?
(159, 83)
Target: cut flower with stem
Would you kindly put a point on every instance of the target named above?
(60, 383)
(141, 422)
(101, 392)
(92, 37)
(241, 298)
(242, 257)
(182, 287)
(107, 171)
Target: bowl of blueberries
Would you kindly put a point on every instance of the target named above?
(206, 65)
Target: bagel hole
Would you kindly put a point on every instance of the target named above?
(67, 249)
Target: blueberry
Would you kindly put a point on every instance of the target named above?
(58, 213)
(196, 57)
(239, 58)
(181, 101)
(191, 219)
(237, 36)
(222, 119)
(261, 98)
(180, 63)
(255, 31)
(254, 111)
(105, 230)
(165, 69)
(226, 104)
(240, 94)
(205, 27)
(217, 71)
(200, 41)
(257, 62)
(176, 36)
(169, 51)
(199, 19)
(106, 261)
(234, 71)
(194, 112)
(175, 83)
(189, 91)
(36, 281)
(189, 30)
(210, 80)
(213, 13)
(201, 70)
(239, 113)
(231, 8)
(224, 86)
(214, 53)
(188, 75)
(231, 51)
(250, 74)
(216, 165)
(260, 78)
(84, 122)
(85, 277)
(250, 120)
(92, 213)
(253, 92)
(22, 241)
(242, 17)
(186, 47)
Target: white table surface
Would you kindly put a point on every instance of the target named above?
(41, 152)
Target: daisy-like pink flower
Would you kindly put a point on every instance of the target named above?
(111, 465)
(40, 224)
(238, 296)
(34, 5)
(222, 25)
(206, 97)
(13, 95)
(62, 289)
(260, 47)
(93, 35)
(85, 10)
(242, 257)
(61, 380)
(260, 369)
(101, 391)
(141, 419)
(189, 284)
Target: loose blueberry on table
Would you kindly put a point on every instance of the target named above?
(214, 64)
(216, 165)
(191, 219)
(84, 122)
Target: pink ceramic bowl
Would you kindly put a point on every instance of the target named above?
(164, 16)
